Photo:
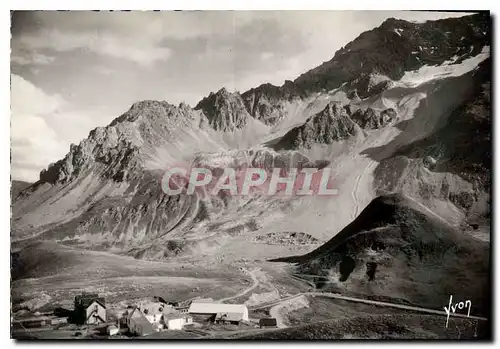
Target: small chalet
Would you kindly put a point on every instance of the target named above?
(90, 309)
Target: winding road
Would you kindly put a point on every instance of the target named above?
(393, 305)
(247, 290)
(274, 311)
(277, 305)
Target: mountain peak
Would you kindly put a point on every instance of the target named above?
(261, 102)
(331, 124)
(224, 110)
(223, 91)
(398, 46)
(142, 108)
(393, 22)
(333, 108)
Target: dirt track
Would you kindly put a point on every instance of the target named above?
(276, 306)
(247, 290)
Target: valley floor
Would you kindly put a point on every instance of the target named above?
(268, 289)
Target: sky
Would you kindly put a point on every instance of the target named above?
(72, 71)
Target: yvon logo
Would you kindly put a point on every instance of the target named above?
(453, 308)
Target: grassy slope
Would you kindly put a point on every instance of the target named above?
(420, 260)
(380, 327)
(48, 273)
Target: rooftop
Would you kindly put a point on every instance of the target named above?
(87, 299)
(214, 308)
(203, 300)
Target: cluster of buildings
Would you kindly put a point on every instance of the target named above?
(144, 318)
(152, 316)
(141, 320)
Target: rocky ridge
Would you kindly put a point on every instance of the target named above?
(119, 199)
(370, 62)
(225, 111)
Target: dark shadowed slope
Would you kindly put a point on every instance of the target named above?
(17, 187)
(399, 250)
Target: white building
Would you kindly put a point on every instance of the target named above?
(159, 316)
(176, 321)
(239, 311)
(154, 313)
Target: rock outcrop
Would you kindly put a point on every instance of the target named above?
(266, 102)
(331, 124)
(371, 119)
(225, 111)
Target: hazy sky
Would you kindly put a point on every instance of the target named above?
(73, 71)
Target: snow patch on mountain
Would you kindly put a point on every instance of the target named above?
(427, 73)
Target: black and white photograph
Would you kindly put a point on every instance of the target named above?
(251, 175)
